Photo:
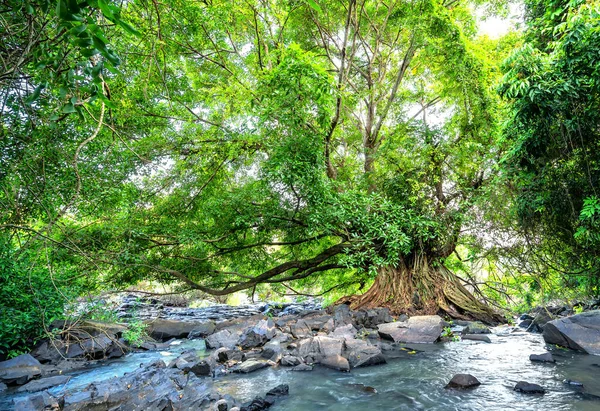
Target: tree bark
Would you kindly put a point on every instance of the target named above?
(420, 288)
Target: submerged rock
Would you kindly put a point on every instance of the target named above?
(263, 403)
(251, 365)
(418, 329)
(44, 383)
(579, 332)
(476, 337)
(545, 357)
(463, 381)
(529, 388)
(474, 327)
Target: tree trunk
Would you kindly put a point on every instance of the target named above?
(423, 289)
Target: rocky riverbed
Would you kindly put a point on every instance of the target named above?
(331, 359)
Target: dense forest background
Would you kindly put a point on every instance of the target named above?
(381, 152)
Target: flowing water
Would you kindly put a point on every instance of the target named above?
(413, 383)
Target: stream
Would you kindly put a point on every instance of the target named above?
(414, 383)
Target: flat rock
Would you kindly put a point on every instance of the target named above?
(545, 357)
(302, 367)
(44, 383)
(19, 370)
(418, 329)
(476, 337)
(528, 388)
(474, 327)
(251, 365)
(463, 381)
(579, 332)
(161, 329)
(223, 338)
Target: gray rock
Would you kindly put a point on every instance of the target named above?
(545, 357)
(202, 330)
(258, 335)
(223, 338)
(342, 315)
(419, 329)
(84, 329)
(44, 383)
(226, 354)
(162, 329)
(36, 402)
(251, 365)
(476, 328)
(3, 387)
(462, 381)
(476, 337)
(528, 388)
(372, 318)
(579, 332)
(337, 362)
(301, 329)
(362, 355)
(290, 361)
(319, 347)
(302, 367)
(345, 332)
(19, 370)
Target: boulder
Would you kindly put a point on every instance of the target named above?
(251, 365)
(257, 335)
(342, 315)
(49, 351)
(316, 348)
(345, 332)
(148, 388)
(229, 354)
(476, 328)
(3, 387)
(223, 338)
(44, 383)
(301, 329)
(579, 332)
(318, 322)
(362, 355)
(337, 362)
(19, 370)
(528, 388)
(290, 361)
(263, 403)
(476, 337)
(84, 329)
(161, 329)
(35, 402)
(272, 351)
(372, 318)
(463, 381)
(545, 357)
(418, 329)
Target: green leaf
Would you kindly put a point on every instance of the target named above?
(313, 5)
(68, 108)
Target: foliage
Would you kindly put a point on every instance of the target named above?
(135, 334)
(31, 297)
(552, 160)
